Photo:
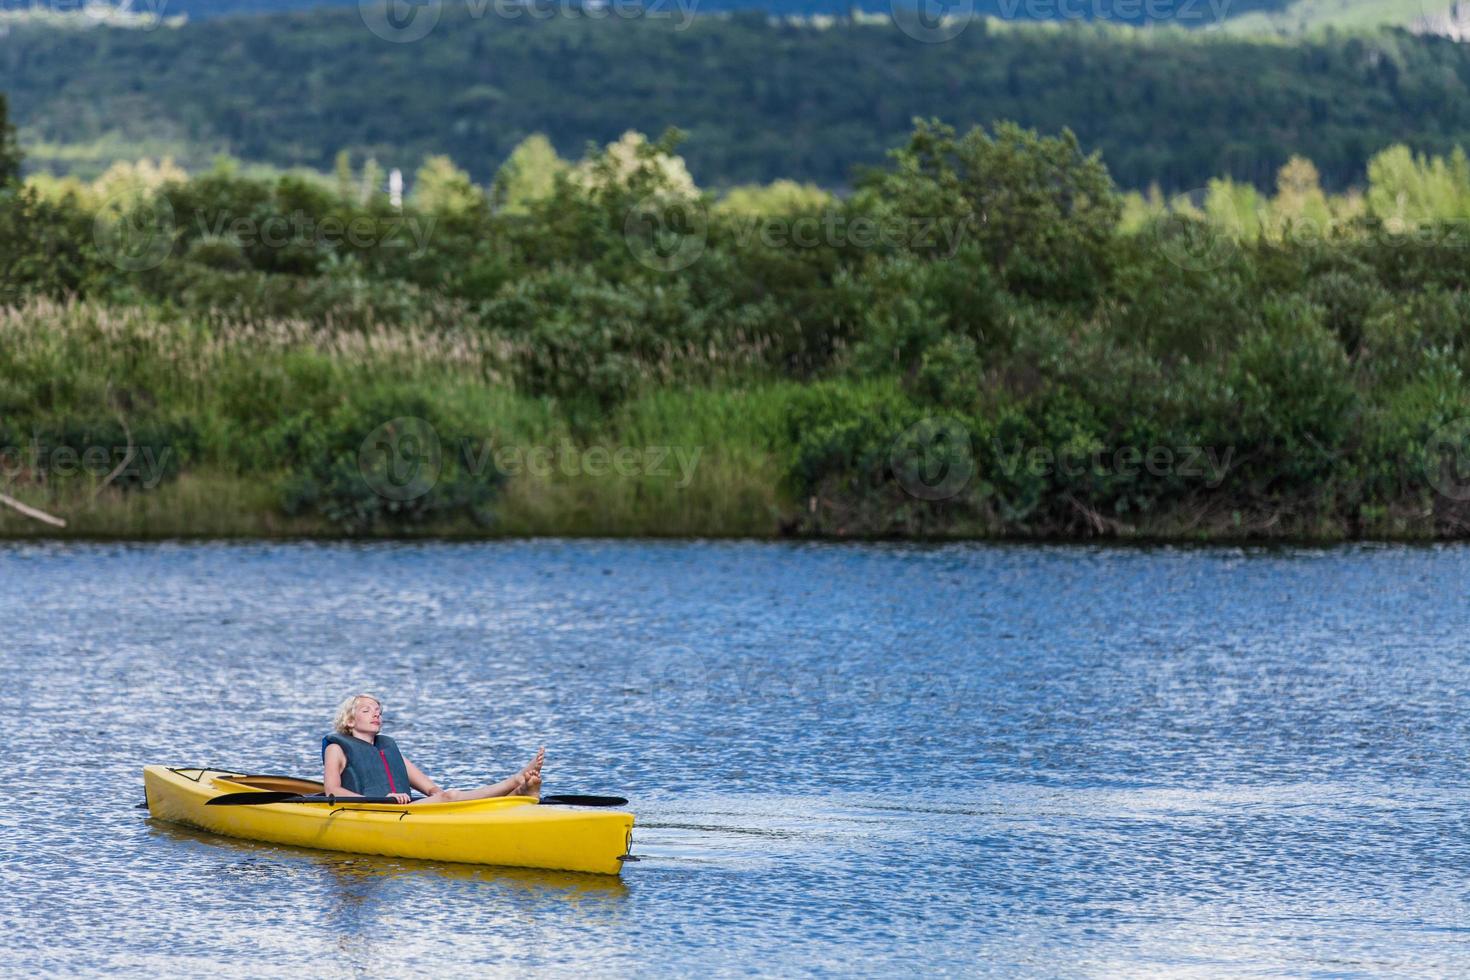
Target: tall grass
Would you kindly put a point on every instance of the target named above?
(697, 461)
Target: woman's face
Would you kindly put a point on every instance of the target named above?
(367, 716)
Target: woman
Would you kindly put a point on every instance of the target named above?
(358, 760)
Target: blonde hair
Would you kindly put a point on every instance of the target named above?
(342, 722)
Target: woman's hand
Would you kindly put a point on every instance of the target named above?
(401, 797)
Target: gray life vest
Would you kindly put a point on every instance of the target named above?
(372, 770)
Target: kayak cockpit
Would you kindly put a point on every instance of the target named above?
(274, 784)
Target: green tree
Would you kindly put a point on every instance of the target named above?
(342, 171)
(440, 186)
(10, 155)
(45, 248)
(1042, 212)
(371, 187)
(1299, 197)
(1411, 188)
(529, 174)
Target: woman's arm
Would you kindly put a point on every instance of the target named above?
(419, 781)
(334, 762)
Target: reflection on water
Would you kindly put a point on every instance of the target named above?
(852, 759)
(362, 873)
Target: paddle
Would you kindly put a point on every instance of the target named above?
(572, 799)
(262, 799)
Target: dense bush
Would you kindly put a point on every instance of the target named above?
(101, 449)
(386, 457)
(45, 249)
(1041, 212)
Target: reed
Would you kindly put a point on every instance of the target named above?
(673, 461)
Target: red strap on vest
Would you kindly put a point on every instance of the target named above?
(391, 788)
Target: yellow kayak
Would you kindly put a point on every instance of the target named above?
(510, 830)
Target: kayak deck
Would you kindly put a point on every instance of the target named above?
(512, 831)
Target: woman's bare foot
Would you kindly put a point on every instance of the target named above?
(530, 777)
(527, 782)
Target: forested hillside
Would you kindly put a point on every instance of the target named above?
(1192, 13)
(758, 101)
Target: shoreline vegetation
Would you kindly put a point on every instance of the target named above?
(986, 339)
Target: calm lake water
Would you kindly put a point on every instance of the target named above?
(844, 759)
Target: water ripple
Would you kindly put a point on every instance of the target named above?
(845, 759)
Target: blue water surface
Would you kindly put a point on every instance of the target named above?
(844, 759)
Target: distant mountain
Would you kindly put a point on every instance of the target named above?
(1188, 13)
